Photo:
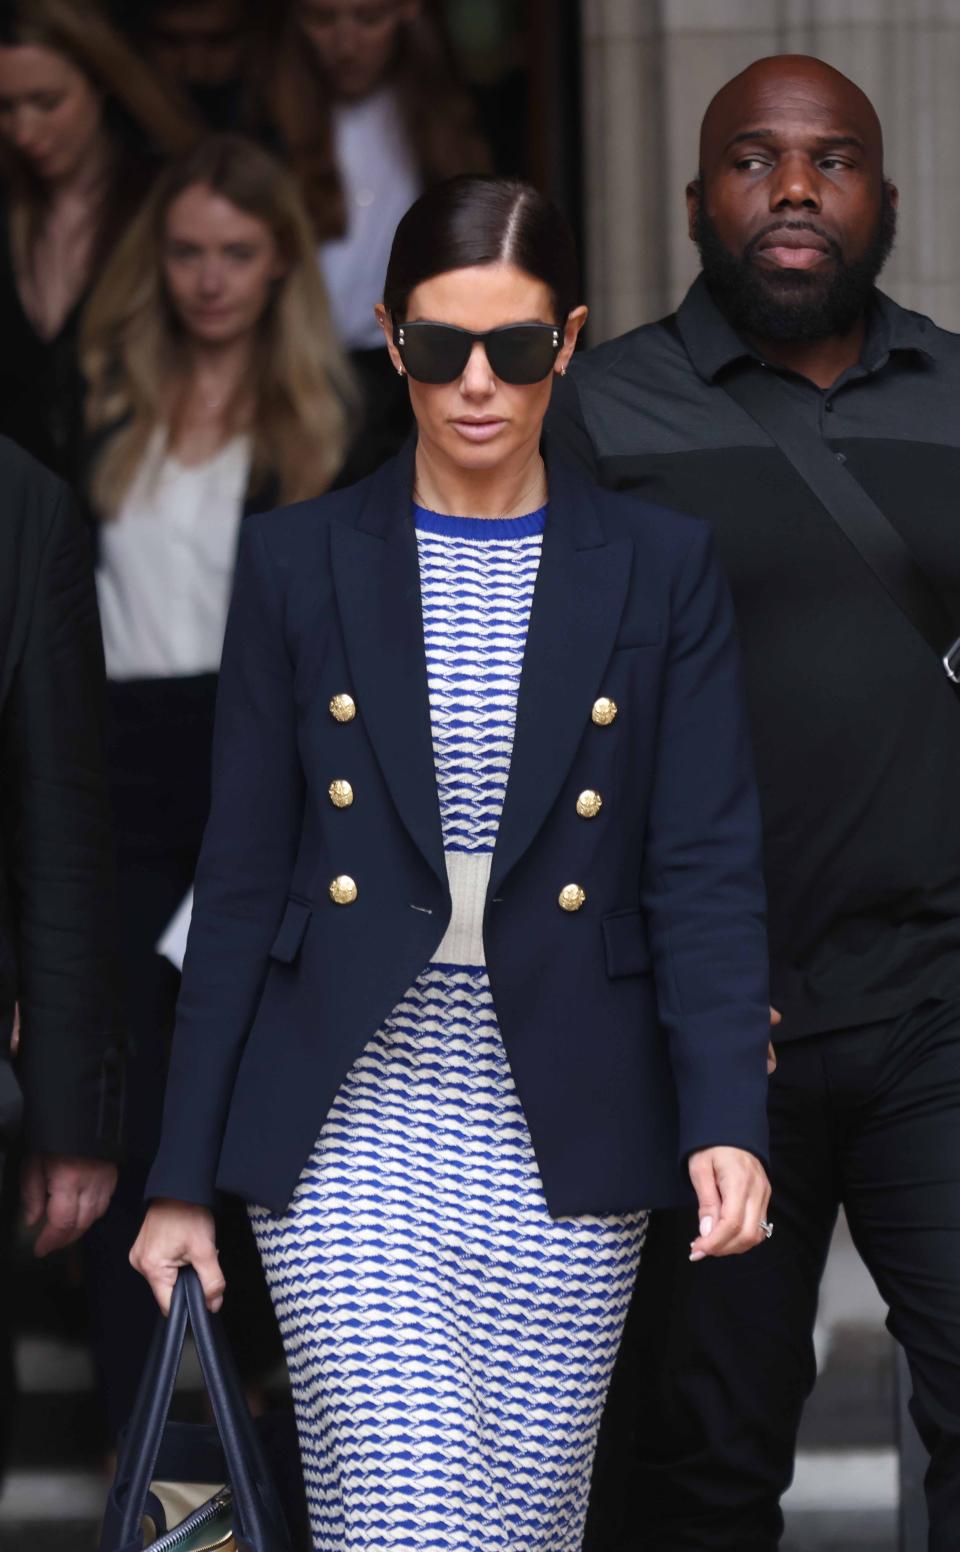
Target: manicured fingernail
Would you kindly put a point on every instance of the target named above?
(706, 1226)
(698, 1255)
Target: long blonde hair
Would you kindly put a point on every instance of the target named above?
(136, 105)
(132, 346)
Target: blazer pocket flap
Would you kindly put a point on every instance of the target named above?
(625, 940)
(286, 944)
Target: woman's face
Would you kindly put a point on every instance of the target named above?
(220, 265)
(355, 40)
(49, 110)
(478, 421)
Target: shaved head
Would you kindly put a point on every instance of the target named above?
(791, 212)
(794, 85)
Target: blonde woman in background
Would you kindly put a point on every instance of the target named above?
(215, 386)
(83, 126)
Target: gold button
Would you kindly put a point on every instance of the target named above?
(589, 804)
(572, 897)
(604, 711)
(343, 891)
(343, 708)
(341, 794)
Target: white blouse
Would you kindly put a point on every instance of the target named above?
(166, 563)
(380, 183)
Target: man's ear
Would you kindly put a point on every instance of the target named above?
(893, 193)
(694, 198)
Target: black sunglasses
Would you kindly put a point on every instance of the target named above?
(439, 352)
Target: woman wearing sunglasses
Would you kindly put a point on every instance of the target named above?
(477, 971)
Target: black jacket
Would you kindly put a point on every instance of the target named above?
(57, 922)
(855, 726)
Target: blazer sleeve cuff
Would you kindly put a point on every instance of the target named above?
(177, 1177)
(720, 1067)
(735, 1119)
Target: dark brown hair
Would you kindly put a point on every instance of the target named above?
(436, 110)
(482, 220)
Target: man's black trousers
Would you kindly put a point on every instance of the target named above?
(698, 1438)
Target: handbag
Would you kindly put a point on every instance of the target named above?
(855, 513)
(144, 1510)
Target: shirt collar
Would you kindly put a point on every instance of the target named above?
(713, 344)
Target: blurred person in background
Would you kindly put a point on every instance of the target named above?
(59, 1038)
(211, 50)
(81, 121)
(215, 386)
(366, 98)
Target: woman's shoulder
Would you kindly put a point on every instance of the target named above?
(304, 526)
(649, 523)
(628, 515)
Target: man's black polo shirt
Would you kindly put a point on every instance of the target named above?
(856, 728)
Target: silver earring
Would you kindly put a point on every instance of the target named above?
(563, 371)
(400, 371)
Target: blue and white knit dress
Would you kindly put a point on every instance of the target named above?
(449, 1344)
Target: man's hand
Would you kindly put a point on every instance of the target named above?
(176, 1234)
(775, 1019)
(733, 1193)
(66, 1195)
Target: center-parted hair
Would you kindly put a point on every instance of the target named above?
(474, 220)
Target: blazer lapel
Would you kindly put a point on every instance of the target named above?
(377, 579)
(578, 600)
(577, 603)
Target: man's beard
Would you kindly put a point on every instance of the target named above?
(793, 304)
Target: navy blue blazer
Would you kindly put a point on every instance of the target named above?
(636, 1027)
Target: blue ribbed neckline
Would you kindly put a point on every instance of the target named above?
(523, 527)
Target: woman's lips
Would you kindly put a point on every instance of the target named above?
(478, 430)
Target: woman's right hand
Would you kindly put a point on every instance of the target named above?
(176, 1234)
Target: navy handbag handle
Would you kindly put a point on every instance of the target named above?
(260, 1522)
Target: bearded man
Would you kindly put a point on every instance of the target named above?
(815, 423)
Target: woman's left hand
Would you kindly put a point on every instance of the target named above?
(733, 1193)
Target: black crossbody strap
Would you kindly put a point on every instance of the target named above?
(858, 517)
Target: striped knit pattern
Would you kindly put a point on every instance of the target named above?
(449, 1344)
(477, 592)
